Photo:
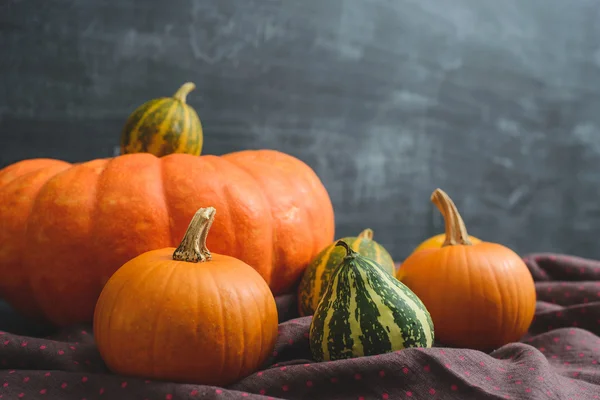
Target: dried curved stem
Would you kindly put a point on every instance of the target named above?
(456, 231)
(193, 246)
(183, 91)
(366, 234)
(349, 252)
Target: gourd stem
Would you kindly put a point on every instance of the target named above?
(193, 246)
(456, 231)
(183, 91)
(349, 252)
(366, 234)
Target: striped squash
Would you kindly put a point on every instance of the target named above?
(366, 311)
(164, 126)
(317, 274)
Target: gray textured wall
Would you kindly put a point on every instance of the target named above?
(497, 102)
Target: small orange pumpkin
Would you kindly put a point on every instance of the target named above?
(186, 315)
(480, 296)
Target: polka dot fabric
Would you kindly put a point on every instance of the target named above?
(558, 359)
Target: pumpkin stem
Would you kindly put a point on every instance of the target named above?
(193, 246)
(349, 252)
(456, 231)
(183, 91)
(366, 234)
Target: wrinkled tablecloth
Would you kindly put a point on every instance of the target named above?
(557, 359)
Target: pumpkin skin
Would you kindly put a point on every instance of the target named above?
(317, 274)
(176, 298)
(366, 311)
(83, 221)
(164, 126)
(480, 296)
(437, 241)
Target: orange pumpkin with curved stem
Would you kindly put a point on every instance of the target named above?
(195, 317)
(480, 296)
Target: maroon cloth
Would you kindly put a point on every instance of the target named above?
(558, 359)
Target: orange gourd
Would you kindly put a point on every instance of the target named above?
(480, 296)
(186, 314)
(66, 228)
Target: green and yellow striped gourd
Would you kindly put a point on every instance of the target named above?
(366, 311)
(317, 274)
(164, 126)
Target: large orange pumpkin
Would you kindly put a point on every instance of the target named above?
(196, 316)
(480, 296)
(66, 228)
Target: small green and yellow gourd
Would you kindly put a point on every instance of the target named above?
(366, 311)
(317, 274)
(164, 126)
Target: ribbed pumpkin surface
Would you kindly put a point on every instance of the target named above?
(66, 228)
(366, 311)
(317, 274)
(164, 126)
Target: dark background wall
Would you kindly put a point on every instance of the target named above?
(497, 102)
